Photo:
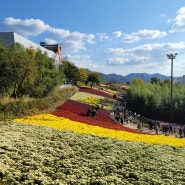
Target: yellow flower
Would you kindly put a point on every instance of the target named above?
(90, 100)
(81, 128)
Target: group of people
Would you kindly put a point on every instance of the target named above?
(119, 113)
(172, 128)
(122, 116)
(165, 127)
(182, 131)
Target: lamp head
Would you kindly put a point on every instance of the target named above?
(171, 55)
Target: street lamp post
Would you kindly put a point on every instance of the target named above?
(171, 56)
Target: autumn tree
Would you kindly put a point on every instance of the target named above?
(22, 72)
(82, 75)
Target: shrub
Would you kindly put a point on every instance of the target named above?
(24, 106)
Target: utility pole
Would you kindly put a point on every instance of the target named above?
(171, 56)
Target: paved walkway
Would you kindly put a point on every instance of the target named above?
(147, 130)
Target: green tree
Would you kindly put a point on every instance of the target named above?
(153, 100)
(94, 78)
(70, 71)
(22, 72)
(47, 75)
(156, 80)
(5, 68)
(167, 82)
(136, 96)
(82, 75)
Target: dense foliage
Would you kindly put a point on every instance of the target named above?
(153, 100)
(94, 78)
(25, 71)
(28, 78)
(78, 76)
(70, 71)
(29, 106)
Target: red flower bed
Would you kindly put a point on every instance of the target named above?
(96, 92)
(77, 111)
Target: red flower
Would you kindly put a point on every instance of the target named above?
(96, 92)
(77, 111)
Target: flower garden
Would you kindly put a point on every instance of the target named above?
(67, 147)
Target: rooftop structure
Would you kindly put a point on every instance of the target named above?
(53, 51)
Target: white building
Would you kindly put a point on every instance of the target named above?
(9, 38)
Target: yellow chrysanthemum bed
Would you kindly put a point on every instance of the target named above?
(81, 128)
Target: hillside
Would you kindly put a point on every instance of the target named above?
(67, 147)
(119, 79)
(128, 78)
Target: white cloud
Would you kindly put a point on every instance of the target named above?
(82, 61)
(117, 60)
(163, 15)
(179, 21)
(148, 48)
(128, 38)
(143, 34)
(116, 51)
(146, 57)
(73, 46)
(102, 36)
(117, 34)
(27, 27)
(144, 54)
(73, 41)
(50, 41)
(66, 34)
(169, 21)
(58, 33)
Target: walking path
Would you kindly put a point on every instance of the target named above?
(120, 115)
(143, 129)
(147, 130)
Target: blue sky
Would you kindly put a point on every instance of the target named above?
(108, 36)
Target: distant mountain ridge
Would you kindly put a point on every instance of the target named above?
(128, 78)
(119, 79)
